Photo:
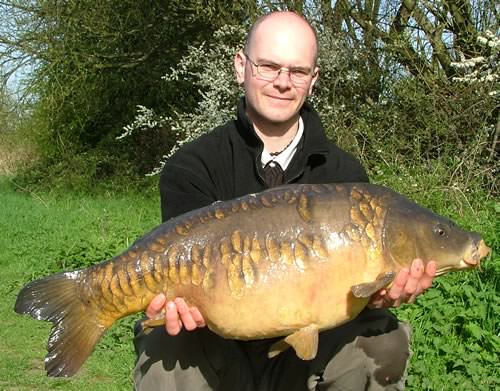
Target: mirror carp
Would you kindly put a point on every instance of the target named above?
(289, 261)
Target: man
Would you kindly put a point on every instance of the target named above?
(277, 138)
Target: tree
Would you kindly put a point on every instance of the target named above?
(423, 36)
(93, 62)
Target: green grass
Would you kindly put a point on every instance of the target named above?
(455, 325)
(43, 234)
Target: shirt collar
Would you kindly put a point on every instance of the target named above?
(285, 156)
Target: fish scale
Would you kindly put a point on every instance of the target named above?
(287, 262)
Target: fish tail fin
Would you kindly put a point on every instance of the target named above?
(76, 329)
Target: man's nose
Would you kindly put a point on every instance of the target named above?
(283, 79)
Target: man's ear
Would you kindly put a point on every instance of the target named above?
(239, 67)
(313, 81)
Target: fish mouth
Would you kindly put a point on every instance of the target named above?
(479, 252)
(463, 264)
(473, 261)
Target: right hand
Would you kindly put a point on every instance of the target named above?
(177, 314)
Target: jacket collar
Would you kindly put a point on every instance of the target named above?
(314, 139)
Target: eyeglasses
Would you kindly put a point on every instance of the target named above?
(270, 71)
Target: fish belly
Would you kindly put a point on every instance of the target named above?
(287, 299)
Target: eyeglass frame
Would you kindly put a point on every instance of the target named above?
(290, 71)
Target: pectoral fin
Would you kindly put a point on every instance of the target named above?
(304, 341)
(277, 348)
(149, 324)
(367, 289)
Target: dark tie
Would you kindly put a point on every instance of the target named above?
(273, 174)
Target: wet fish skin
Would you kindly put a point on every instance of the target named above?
(323, 248)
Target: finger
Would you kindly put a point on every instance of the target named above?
(416, 273)
(376, 304)
(425, 282)
(173, 324)
(377, 299)
(429, 274)
(417, 269)
(197, 316)
(382, 302)
(382, 299)
(185, 314)
(393, 303)
(156, 305)
(398, 285)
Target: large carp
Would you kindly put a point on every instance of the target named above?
(289, 262)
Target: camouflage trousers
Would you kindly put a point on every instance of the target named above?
(370, 352)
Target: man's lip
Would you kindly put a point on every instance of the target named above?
(279, 97)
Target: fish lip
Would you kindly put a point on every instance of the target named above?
(480, 251)
(463, 264)
(468, 263)
(483, 250)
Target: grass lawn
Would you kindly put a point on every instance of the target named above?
(43, 234)
(456, 324)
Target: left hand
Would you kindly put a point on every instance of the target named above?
(178, 314)
(407, 285)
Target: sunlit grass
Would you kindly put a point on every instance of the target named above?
(456, 324)
(42, 234)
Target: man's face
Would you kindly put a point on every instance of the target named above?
(283, 42)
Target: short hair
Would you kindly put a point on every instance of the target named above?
(262, 18)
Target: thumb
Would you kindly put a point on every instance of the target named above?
(156, 305)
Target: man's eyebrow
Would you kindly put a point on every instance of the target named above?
(266, 61)
(299, 68)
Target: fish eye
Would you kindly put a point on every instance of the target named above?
(440, 231)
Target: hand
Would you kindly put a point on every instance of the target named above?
(177, 314)
(407, 285)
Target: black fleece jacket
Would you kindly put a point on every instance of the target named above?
(225, 164)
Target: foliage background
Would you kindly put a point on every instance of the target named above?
(110, 90)
(401, 81)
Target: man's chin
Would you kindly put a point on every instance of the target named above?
(280, 116)
(276, 116)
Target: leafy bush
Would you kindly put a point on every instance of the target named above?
(91, 63)
(208, 68)
(16, 149)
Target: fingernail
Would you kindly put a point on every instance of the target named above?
(170, 305)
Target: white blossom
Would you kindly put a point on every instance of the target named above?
(482, 40)
(480, 69)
